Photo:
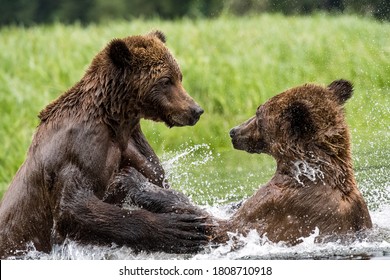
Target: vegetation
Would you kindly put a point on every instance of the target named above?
(230, 66)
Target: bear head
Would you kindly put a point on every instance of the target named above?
(140, 76)
(297, 123)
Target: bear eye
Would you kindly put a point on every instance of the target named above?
(165, 82)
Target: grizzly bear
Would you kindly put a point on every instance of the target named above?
(313, 188)
(68, 186)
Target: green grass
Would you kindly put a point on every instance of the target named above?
(230, 66)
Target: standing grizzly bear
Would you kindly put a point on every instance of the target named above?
(304, 129)
(84, 141)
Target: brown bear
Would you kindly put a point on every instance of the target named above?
(304, 129)
(85, 141)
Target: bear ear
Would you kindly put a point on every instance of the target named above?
(159, 34)
(343, 90)
(300, 120)
(119, 53)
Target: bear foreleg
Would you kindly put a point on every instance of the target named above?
(132, 187)
(82, 216)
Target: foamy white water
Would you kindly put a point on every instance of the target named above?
(375, 245)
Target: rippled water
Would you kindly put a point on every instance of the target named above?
(374, 184)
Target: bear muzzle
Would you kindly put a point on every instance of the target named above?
(246, 137)
(187, 118)
(196, 112)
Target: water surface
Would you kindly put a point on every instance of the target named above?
(214, 180)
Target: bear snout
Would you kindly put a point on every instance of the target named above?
(196, 113)
(189, 117)
(236, 139)
(247, 137)
(232, 132)
(194, 116)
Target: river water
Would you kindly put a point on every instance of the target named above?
(375, 246)
(374, 184)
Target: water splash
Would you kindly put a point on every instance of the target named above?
(303, 168)
(185, 170)
(179, 166)
(252, 246)
(173, 162)
(374, 185)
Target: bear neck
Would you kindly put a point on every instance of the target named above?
(315, 166)
(97, 99)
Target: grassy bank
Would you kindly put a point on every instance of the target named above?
(230, 66)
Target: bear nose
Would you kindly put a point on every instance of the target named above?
(197, 112)
(232, 132)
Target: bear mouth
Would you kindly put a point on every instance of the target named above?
(181, 120)
(241, 144)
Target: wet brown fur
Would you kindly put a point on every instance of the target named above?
(85, 139)
(304, 129)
